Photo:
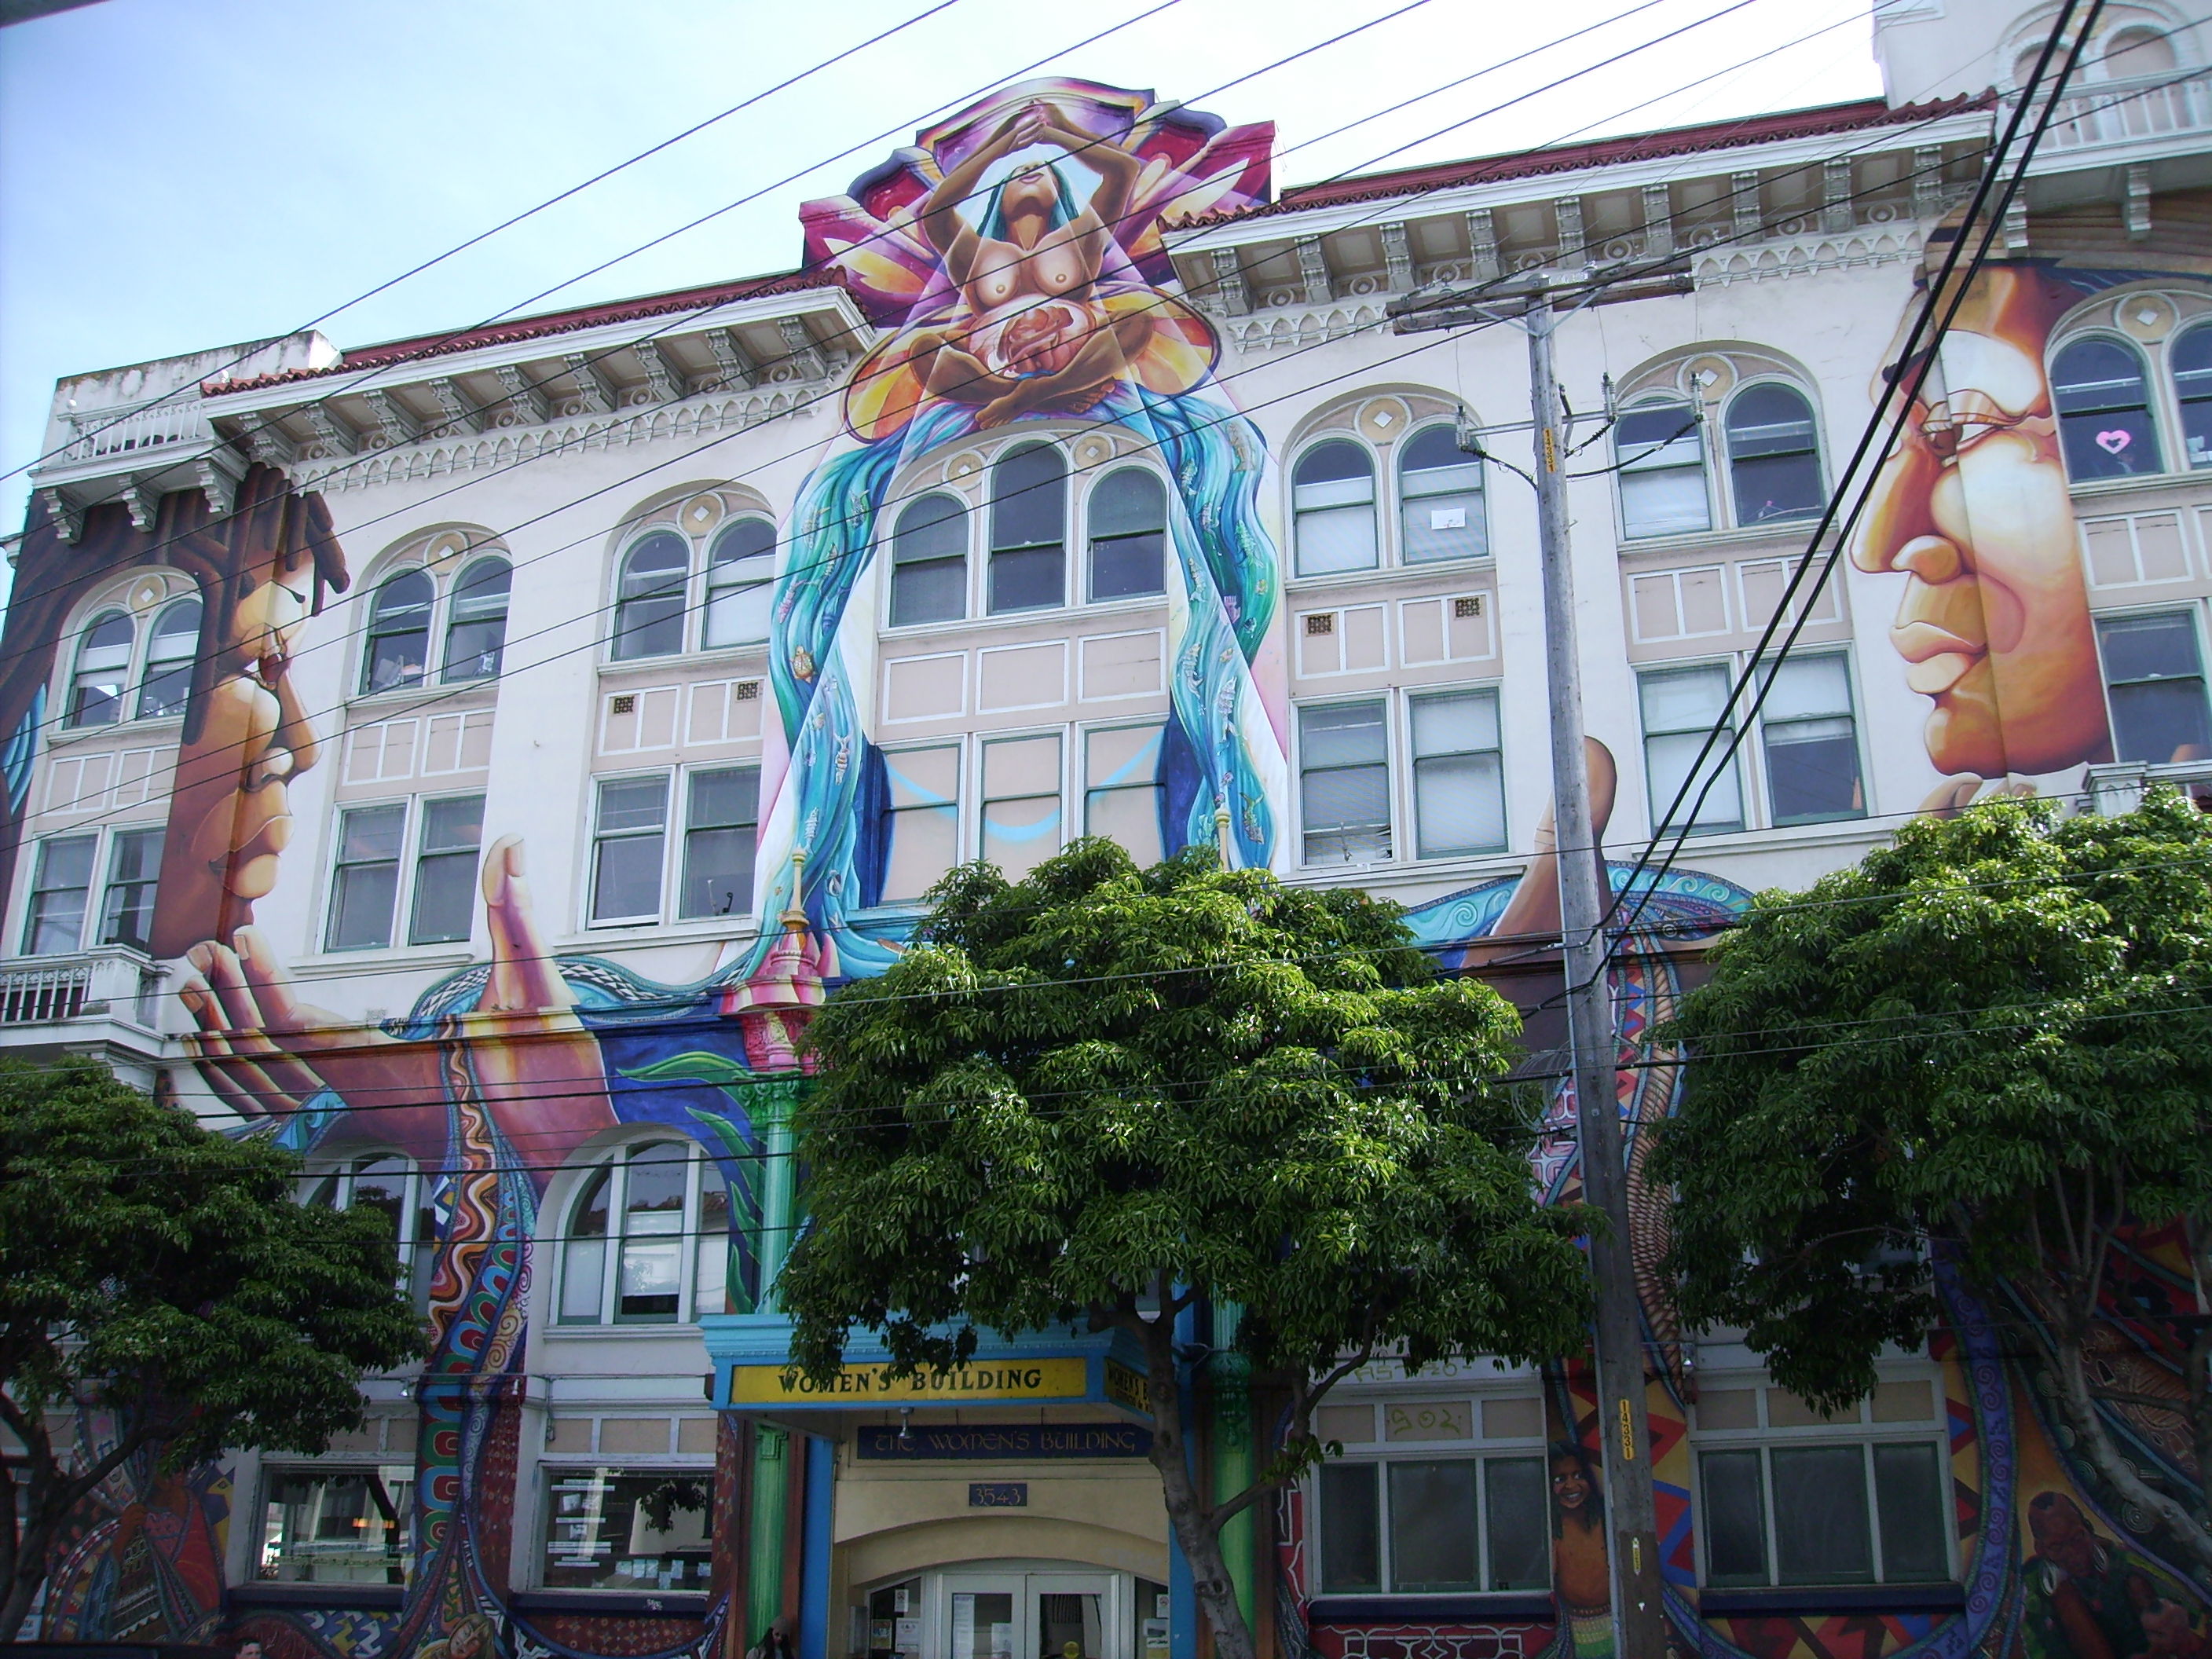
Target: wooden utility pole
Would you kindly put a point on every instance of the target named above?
(1640, 1620)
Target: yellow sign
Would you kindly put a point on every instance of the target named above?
(1016, 1379)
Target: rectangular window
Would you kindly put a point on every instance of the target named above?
(1680, 708)
(1121, 789)
(1854, 1513)
(2155, 682)
(633, 1530)
(61, 890)
(1811, 742)
(338, 1526)
(1455, 1525)
(1459, 774)
(365, 888)
(628, 844)
(1661, 456)
(721, 823)
(1021, 803)
(921, 820)
(1344, 782)
(126, 908)
(445, 870)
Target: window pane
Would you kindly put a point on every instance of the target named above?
(633, 804)
(740, 582)
(1128, 535)
(2104, 410)
(398, 632)
(134, 866)
(103, 659)
(922, 825)
(2191, 360)
(1908, 1488)
(367, 879)
(1661, 455)
(1333, 507)
(337, 1527)
(1122, 799)
(476, 625)
(710, 1284)
(1345, 783)
(60, 894)
(619, 1529)
(1459, 805)
(1734, 1525)
(626, 877)
(1813, 771)
(649, 596)
(719, 843)
(445, 874)
(1433, 1527)
(982, 1627)
(1033, 579)
(1669, 759)
(1820, 1533)
(1351, 1529)
(1029, 498)
(584, 1259)
(168, 679)
(2157, 688)
(929, 553)
(1518, 1519)
(1440, 500)
(1773, 462)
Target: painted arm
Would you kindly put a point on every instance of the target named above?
(942, 221)
(1117, 170)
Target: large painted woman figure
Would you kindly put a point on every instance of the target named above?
(1015, 256)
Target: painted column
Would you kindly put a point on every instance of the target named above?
(1229, 1445)
(814, 1573)
(765, 1526)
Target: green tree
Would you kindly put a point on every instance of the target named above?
(1099, 1096)
(1991, 1041)
(161, 1275)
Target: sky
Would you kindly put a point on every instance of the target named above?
(180, 174)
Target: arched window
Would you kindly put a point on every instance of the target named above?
(1128, 515)
(391, 1185)
(647, 1240)
(1661, 458)
(1439, 499)
(1332, 509)
(1028, 530)
(2137, 51)
(739, 573)
(929, 562)
(2104, 410)
(475, 621)
(166, 682)
(649, 596)
(398, 632)
(2191, 358)
(1774, 461)
(103, 664)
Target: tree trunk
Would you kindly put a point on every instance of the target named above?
(2105, 1458)
(1197, 1529)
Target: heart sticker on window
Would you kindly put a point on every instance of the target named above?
(2113, 442)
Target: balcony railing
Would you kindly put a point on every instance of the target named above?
(2145, 109)
(113, 982)
(2120, 785)
(106, 434)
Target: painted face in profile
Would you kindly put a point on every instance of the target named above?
(1973, 511)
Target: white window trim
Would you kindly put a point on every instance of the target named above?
(1393, 717)
(413, 817)
(616, 1159)
(1718, 449)
(103, 853)
(1404, 801)
(445, 575)
(694, 618)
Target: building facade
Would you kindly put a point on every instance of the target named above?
(470, 759)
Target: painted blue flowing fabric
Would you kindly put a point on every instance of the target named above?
(823, 658)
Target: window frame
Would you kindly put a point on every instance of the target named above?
(441, 620)
(121, 700)
(1375, 505)
(1400, 497)
(553, 1468)
(2187, 461)
(676, 832)
(148, 675)
(614, 1163)
(1379, 1455)
(413, 824)
(1411, 696)
(446, 612)
(994, 550)
(1085, 532)
(1725, 449)
(1863, 1431)
(969, 514)
(416, 1236)
(1650, 402)
(1654, 804)
(967, 766)
(2157, 383)
(710, 589)
(1062, 736)
(398, 1553)
(1082, 792)
(1391, 828)
(2190, 611)
(1774, 819)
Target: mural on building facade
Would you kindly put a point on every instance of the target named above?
(1014, 256)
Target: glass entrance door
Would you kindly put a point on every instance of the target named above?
(1034, 1615)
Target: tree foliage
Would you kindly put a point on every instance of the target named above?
(1100, 1096)
(161, 1276)
(1991, 1041)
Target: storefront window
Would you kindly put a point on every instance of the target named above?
(338, 1526)
(609, 1529)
